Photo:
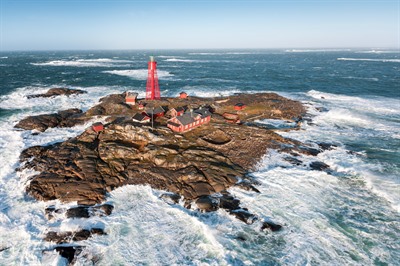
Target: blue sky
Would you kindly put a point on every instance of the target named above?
(123, 24)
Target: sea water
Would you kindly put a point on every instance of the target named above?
(349, 216)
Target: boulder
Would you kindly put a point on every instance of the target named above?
(319, 166)
(66, 237)
(271, 226)
(244, 215)
(207, 203)
(170, 198)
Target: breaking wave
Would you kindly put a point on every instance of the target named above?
(101, 62)
(368, 59)
(139, 74)
(180, 60)
(379, 52)
(315, 50)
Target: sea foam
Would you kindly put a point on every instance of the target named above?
(139, 74)
(101, 62)
(369, 59)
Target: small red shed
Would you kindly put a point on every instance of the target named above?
(239, 106)
(97, 127)
(130, 98)
(141, 106)
(177, 111)
(183, 95)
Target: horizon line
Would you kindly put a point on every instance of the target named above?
(190, 49)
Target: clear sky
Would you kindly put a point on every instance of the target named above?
(134, 24)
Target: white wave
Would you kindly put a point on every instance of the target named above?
(315, 50)
(203, 91)
(181, 60)
(139, 74)
(379, 52)
(383, 105)
(371, 79)
(223, 53)
(18, 99)
(4, 57)
(369, 59)
(101, 62)
(169, 56)
(145, 230)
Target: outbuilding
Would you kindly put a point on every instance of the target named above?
(130, 98)
(156, 111)
(97, 127)
(239, 106)
(183, 95)
(141, 118)
(177, 111)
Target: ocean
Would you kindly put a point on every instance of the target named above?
(350, 216)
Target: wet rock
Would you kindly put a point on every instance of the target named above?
(65, 118)
(228, 202)
(271, 226)
(293, 160)
(244, 215)
(326, 146)
(69, 252)
(3, 248)
(319, 166)
(57, 92)
(88, 211)
(65, 237)
(247, 185)
(170, 198)
(308, 150)
(207, 203)
(78, 212)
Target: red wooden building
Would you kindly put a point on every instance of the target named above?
(189, 120)
(141, 106)
(239, 106)
(177, 111)
(141, 118)
(97, 127)
(156, 111)
(130, 98)
(183, 95)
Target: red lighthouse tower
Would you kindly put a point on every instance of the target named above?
(152, 88)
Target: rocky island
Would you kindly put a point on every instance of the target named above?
(195, 168)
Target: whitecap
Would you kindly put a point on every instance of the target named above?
(369, 59)
(315, 50)
(100, 62)
(180, 60)
(139, 74)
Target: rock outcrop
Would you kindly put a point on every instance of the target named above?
(65, 118)
(57, 92)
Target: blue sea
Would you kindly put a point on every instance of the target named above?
(350, 216)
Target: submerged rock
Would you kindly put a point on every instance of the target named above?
(244, 215)
(170, 198)
(65, 237)
(207, 203)
(80, 211)
(271, 226)
(69, 252)
(319, 166)
(247, 185)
